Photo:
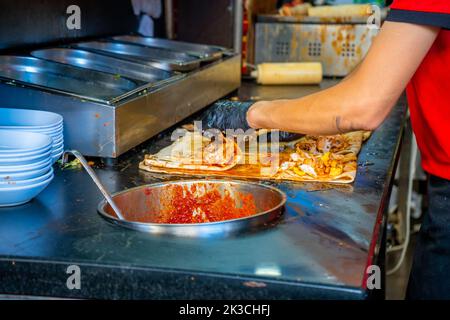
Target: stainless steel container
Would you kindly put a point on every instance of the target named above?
(85, 84)
(159, 58)
(92, 61)
(338, 46)
(142, 206)
(203, 52)
(111, 104)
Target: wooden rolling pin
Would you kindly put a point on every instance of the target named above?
(341, 11)
(288, 73)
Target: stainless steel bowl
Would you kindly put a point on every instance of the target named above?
(146, 203)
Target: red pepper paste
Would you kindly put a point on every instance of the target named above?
(189, 206)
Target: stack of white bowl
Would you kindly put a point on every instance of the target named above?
(26, 160)
(48, 123)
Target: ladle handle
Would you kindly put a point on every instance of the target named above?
(96, 180)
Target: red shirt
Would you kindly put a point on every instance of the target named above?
(429, 90)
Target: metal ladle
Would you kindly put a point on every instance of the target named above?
(95, 178)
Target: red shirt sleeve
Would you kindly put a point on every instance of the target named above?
(425, 12)
(436, 6)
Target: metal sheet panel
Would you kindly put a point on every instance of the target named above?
(339, 47)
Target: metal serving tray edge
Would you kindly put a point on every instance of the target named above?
(97, 62)
(159, 58)
(204, 52)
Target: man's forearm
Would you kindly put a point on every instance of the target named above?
(362, 101)
(342, 108)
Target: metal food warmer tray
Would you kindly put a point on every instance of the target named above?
(339, 44)
(118, 92)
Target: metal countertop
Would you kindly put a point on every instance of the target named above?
(320, 249)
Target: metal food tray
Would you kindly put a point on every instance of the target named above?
(82, 83)
(106, 115)
(159, 58)
(203, 52)
(97, 62)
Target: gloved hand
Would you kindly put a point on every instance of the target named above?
(226, 114)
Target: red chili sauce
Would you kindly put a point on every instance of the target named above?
(187, 206)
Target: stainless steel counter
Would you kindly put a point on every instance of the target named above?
(321, 248)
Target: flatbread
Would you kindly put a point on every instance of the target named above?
(311, 158)
(194, 151)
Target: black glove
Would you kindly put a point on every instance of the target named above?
(226, 114)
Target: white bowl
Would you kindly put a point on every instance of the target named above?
(21, 161)
(58, 140)
(25, 154)
(22, 142)
(55, 130)
(58, 146)
(15, 196)
(27, 174)
(26, 118)
(9, 183)
(57, 156)
(24, 168)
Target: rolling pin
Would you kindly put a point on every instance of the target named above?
(288, 73)
(341, 11)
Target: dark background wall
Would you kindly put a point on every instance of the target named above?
(31, 22)
(205, 21)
